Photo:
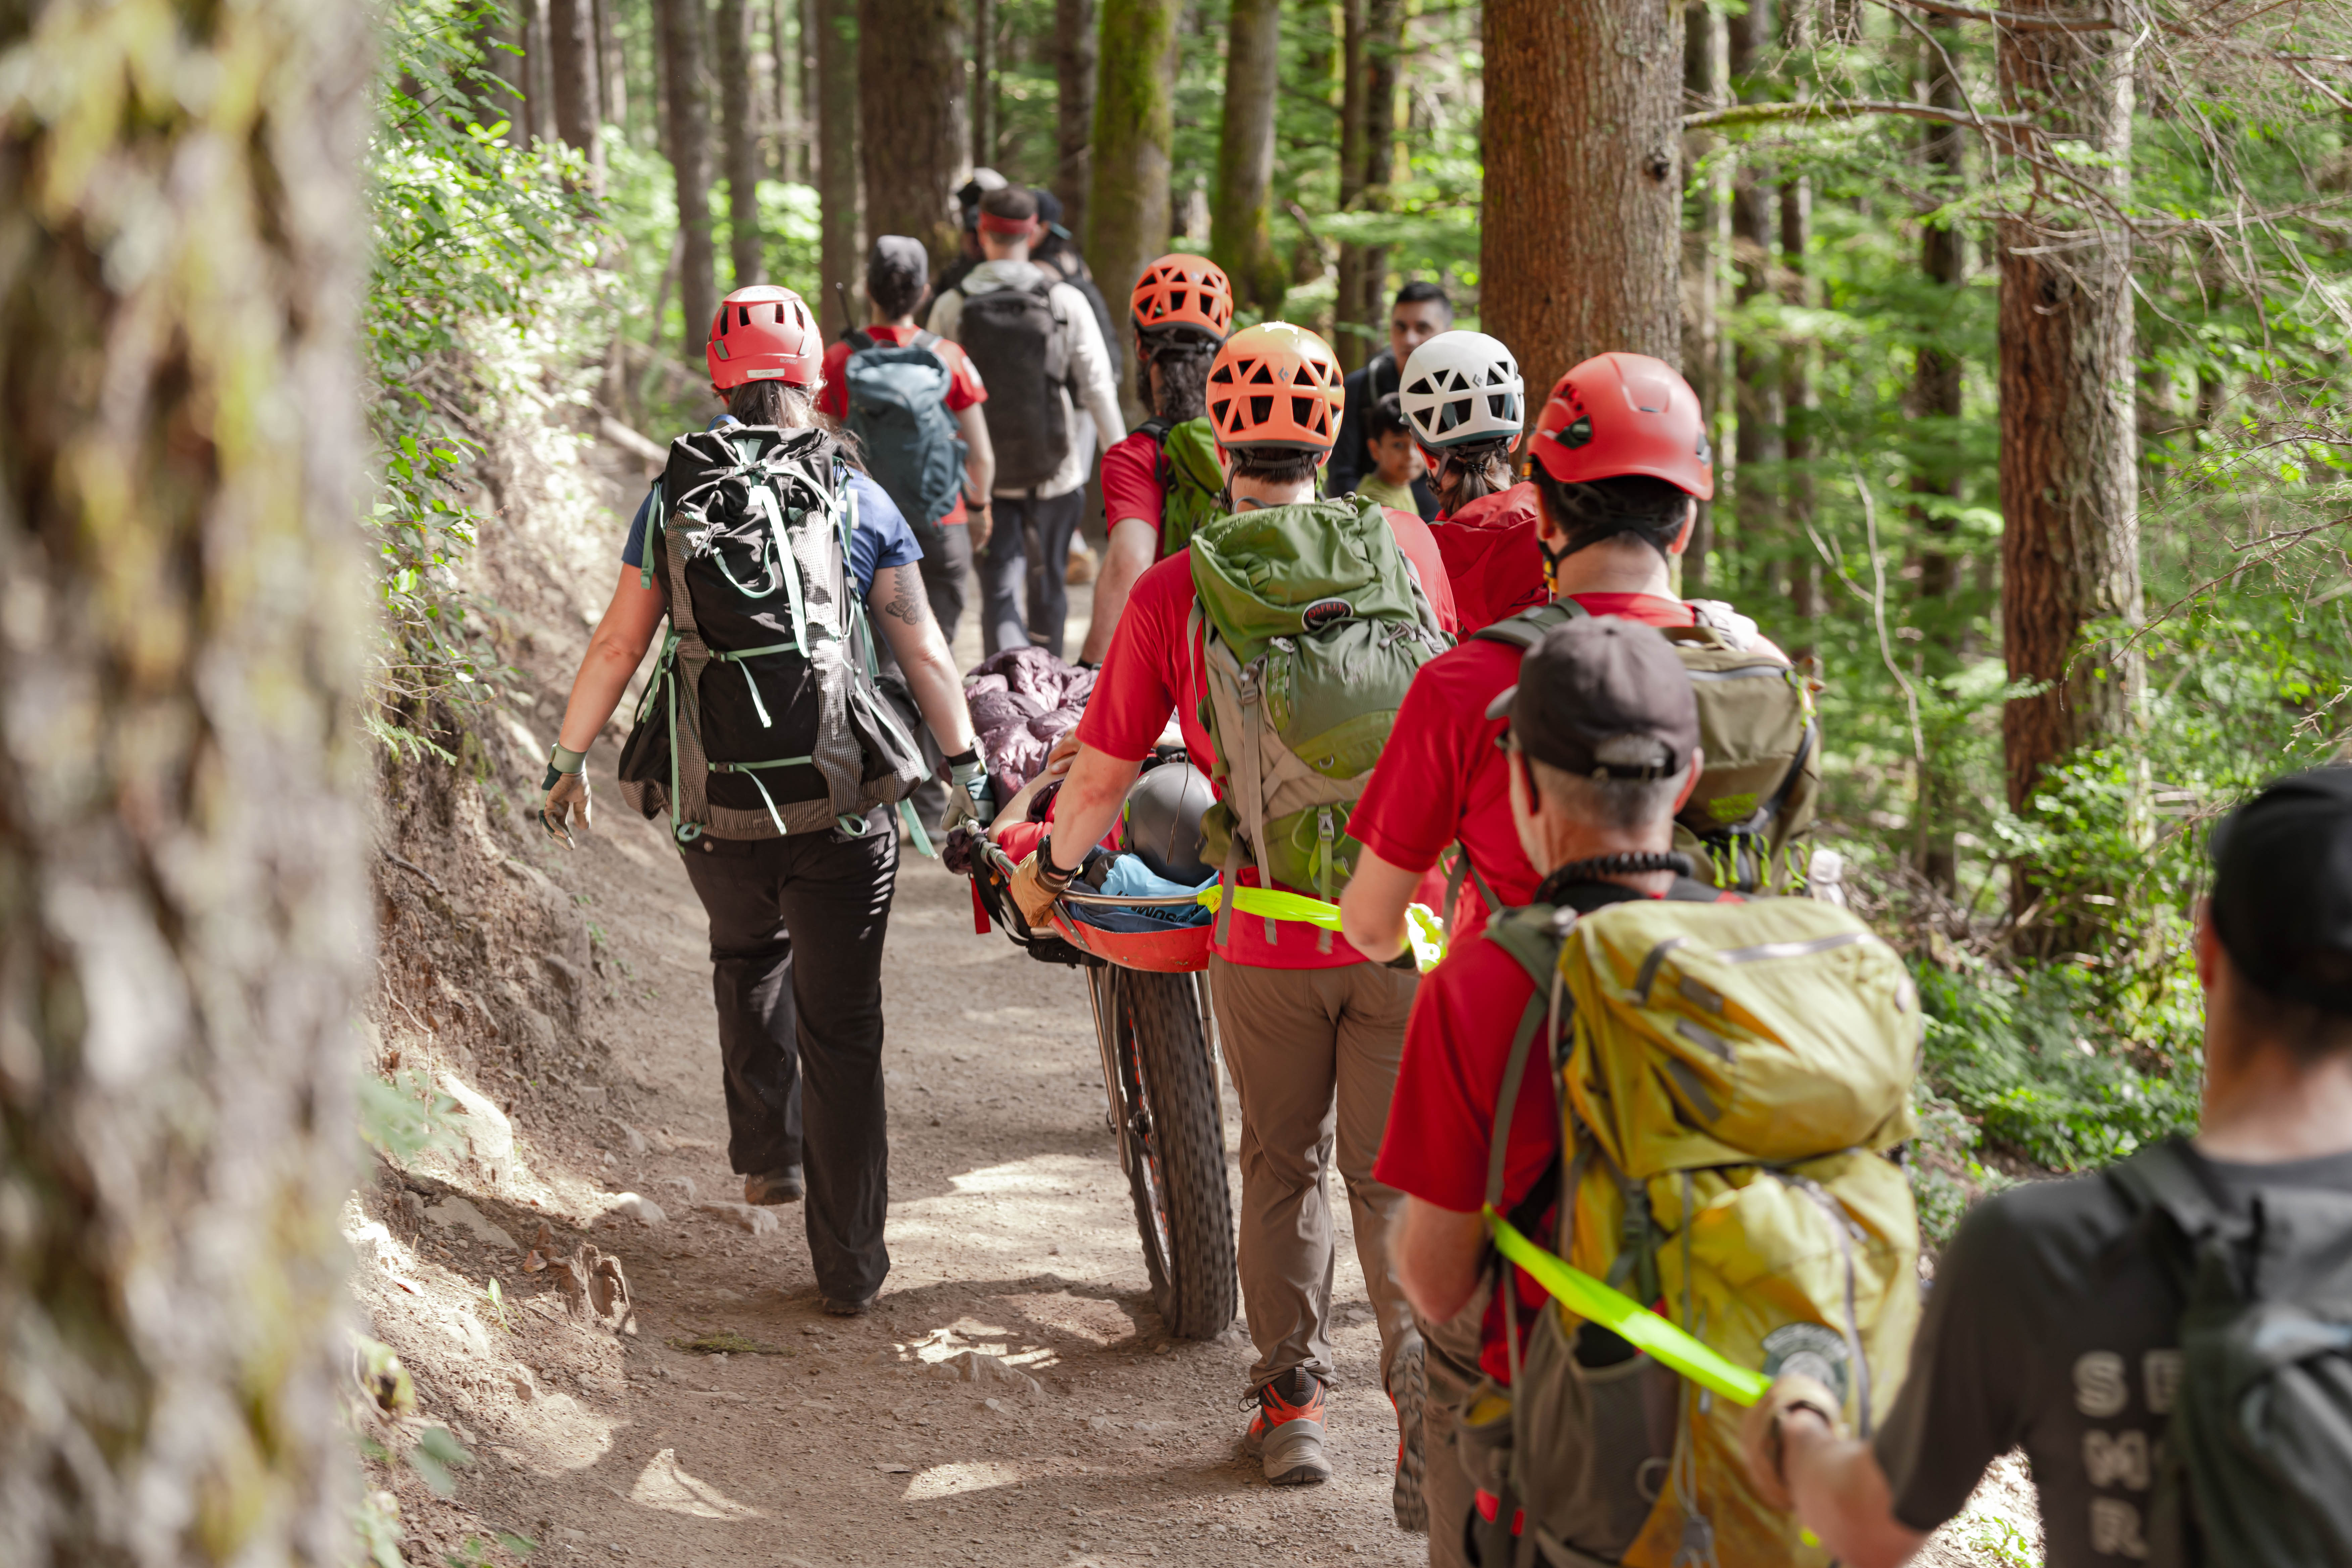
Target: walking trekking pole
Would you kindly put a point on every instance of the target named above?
(1627, 1318)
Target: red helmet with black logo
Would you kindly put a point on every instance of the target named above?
(763, 333)
(1620, 414)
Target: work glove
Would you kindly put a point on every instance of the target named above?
(970, 796)
(1035, 887)
(566, 786)
(1761, 1437)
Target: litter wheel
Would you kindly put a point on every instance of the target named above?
(1174, 1149)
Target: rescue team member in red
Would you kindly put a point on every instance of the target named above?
(1619, 482)
(1463, 394)
(1596, 700)
(1312, 1038)
(1182, 309)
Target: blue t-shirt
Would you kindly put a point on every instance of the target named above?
(881, 538)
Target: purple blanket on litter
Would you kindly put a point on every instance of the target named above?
(1022, 701)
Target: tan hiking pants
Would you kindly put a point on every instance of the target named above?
(1313, 1054)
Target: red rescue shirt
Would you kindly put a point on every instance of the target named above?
(1130, 481)
(964, 387)
(1153, 670)
(1491, 557)
(1440, 777)
(1442, 1119)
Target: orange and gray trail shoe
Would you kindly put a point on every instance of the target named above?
(1408, 1392)
(1286, 1433)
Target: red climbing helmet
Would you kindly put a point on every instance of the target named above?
(1180, 290)
(1620, 414)
(763, 333)
(1275, 386)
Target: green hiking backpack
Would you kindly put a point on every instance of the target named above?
(1192, 485)
(1730, 1080)
(2254, 1470)
(1312, 623)
(1744, 824)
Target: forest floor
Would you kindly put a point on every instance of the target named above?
(1011, 1399)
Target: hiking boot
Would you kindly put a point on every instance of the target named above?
(771, 1187)
(1408, 1392)
(1286, 1433)
(842, 1307)
(1083, 564)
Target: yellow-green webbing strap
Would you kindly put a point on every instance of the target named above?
(1589, 1298)
(1423, 928)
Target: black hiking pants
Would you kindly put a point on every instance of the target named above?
(796, 930)
(1031, 547)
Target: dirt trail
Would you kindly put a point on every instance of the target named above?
(1011, 1399)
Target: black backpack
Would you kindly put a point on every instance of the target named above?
(763, 717)
(898, 412)
(2256, 1468)
(1021, 345)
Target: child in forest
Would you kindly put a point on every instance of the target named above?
(1396, 460)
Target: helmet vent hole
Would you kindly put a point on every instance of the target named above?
(1302, 411)
(1577, 433)
(1262, 374)
(1261, 410)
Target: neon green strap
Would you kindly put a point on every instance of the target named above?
(1423, 928)
(1594, 1302)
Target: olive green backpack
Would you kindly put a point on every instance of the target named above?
(1311, 623)
(1192, 485)
(1746, 824)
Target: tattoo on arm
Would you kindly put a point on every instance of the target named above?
(909, 605)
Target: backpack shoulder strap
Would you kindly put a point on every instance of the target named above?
(860, 341)
(1157, 428)
(1526, 629)
(929, 342)
(1533, 938)
(2159, 1180)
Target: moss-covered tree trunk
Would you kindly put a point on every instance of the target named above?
(688, 110)
(1241, 212)
(184, 909)
(1935, 472)
(2068, 480)
(910, 106)
(740, 132)
(1580, 229)
(837, 183)
(1073, 112)
(1135, 126)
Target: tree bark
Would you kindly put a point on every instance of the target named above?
(836, 154)
(1075, 50)
(784, 48)
(983, 84)
(2069, 482)
(1705, 72)
(1796, 370)
(1936, 391)
(612, 70)
(1134, 129)
(1757, 446)
(1241, 218)
(531, 20)
(1375, 40)
(1578, 243)
(572, 70)
(741, 137)
(185, 935)
(911, 102)
(690, 148)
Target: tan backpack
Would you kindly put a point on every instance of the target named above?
(1730, 1078)
(1744, 826)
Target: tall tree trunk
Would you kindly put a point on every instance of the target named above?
(1134, 127)
(741, 142)
(2069, 482)
(538, 49)
(1241, 219)
(1936, 390)
(1705, 72)
(689, 145)
(910, 101)
(513, 68)
(1757, 447)
(837, 155)
(808, 89)
(571, 69)
(1579, 235)
(612, 69)
(1074, 48)
(1796, 369)
(784, 47)
(186, 921)
(983, 84)
(1375, 39)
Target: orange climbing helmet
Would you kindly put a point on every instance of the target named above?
(763, 333)
(1275, 386)
(1620, 414)
(1182, 293)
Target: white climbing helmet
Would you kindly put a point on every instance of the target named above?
(1461, 387)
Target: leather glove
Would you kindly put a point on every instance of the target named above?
(970, 796)
(565, 788)
(1035, 888)
(1761, 1437)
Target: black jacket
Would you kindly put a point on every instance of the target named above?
(1351, 457)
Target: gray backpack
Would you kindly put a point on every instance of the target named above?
(2257, 1464)
(898, 412)
(1021, 343)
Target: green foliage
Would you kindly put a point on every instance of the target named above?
(376, 1522)
(437, 1457)
(404, 1117)
(476, 1553)
(465, 225)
